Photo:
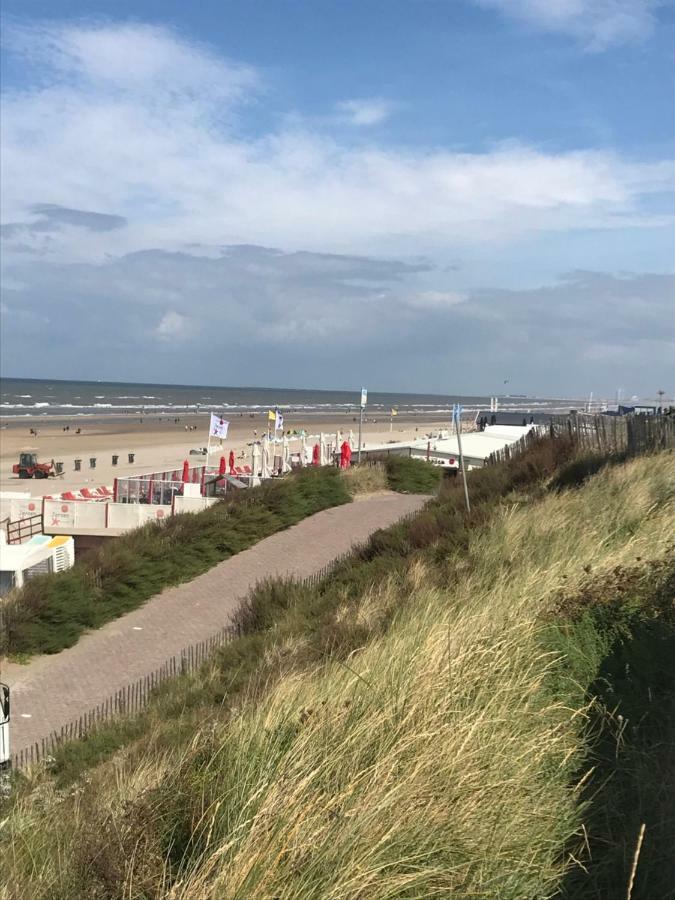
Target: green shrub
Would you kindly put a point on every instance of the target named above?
(411, 476)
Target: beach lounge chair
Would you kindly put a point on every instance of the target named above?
(248, 470)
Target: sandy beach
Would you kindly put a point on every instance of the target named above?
(159, 443)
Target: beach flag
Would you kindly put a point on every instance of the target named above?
(218, 427)
(457, 411)
(278, 420)
(271, 416)
(394, 412)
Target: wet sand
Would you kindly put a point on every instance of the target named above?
(164, 444)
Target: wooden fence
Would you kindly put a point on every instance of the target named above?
(632, 434)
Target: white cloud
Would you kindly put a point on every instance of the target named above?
(371, 111)
(434, 300)
(172, 326)
(596, 23)
(104, 129)
(134, 58)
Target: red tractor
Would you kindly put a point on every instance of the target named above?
(29, 467)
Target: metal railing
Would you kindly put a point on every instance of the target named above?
(23, 529)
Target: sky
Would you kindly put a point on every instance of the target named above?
(420, 195)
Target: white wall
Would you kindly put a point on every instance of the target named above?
(61, 516)
(124, 516)
(192, 504)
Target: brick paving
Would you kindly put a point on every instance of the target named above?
(50, 691)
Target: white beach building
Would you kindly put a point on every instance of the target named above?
(39, 555)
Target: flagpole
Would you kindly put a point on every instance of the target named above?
(208, 443)
(458, 429)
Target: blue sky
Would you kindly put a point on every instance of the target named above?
(328, 182)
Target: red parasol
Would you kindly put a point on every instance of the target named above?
(222, 468)
(345, 455)
(186, 472)
(232, 469)
(316, 453)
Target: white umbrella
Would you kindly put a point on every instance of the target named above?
(305, 457)
(265, 471)
(286, 456)
(255, 459)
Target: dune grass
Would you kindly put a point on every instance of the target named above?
(51, 612)
(367, 479)
(421, 734)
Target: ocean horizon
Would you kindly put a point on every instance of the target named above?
(30, 397)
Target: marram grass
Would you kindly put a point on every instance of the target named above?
(442, 758)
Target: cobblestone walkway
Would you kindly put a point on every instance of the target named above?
(50, 691)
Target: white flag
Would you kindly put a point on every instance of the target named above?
(278, 421)
(218, 427)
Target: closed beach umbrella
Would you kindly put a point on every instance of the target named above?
(316, 453)
(186, 472)
(232, 472)
(286, 456)
(223, 466)
(265, 470)
(345, 455)
(255, 459)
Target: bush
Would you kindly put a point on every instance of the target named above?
(411, 476)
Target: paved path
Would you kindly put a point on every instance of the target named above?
(52, 690)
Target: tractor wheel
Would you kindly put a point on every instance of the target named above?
(23, 473)
(40, 473)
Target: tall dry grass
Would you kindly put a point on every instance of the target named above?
(436, 761)
(369, 479)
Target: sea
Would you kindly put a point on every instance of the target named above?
(40, 398)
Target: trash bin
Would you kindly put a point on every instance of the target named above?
(92, 462)
(114, 459)
(78, 465)
(59, 468)
(132, 457)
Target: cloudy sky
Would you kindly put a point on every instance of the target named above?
(414, 194)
